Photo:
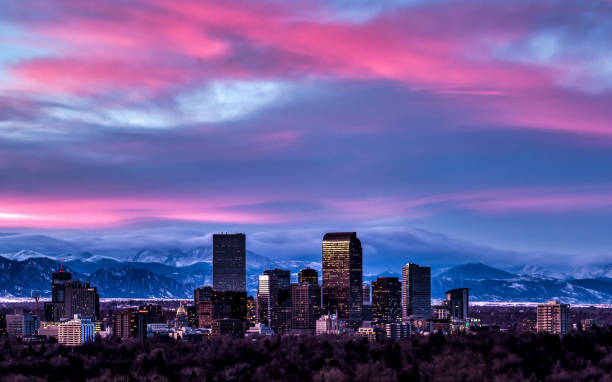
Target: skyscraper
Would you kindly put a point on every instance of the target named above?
(387, 299)
(308, 275)
(305, 306)
(267, 301)
(553, 318)
(76, 331)
(283, 299)
(342, 261)
(416, 291)
(458, 303)
(366, 293)
(229, 262)
(54, 310)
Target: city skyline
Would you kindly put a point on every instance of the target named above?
(453, 129)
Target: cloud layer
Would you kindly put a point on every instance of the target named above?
(483, 121)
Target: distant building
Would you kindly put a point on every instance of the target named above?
(3, 332)
(229, 262)
(154, 313)
(283, 299)
(395, 330)
(182, 320)
(122, 323)
(192, 316)
(81, 299)
(138, 323)
(387, 299)
(76, 331)
(49, 329)
(328, 324)
(54, 310)
(458, 303)
(342, 261)
(251, 311)
(306, 306)
(213, 305)
(267, 301)
(441, 312)
(20, 325)
(365, 288)
(367, 332)
(416, 291)
(553, 318)
(228, 326)
(308, 275)
(259, 329)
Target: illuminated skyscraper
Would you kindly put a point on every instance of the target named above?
(308, 275)
(267, 301)
(387, 299)
(416, 291)
(342, 261)
(229, 262)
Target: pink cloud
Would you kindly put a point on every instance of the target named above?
(445, 49)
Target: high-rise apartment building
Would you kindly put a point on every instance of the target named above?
(76, 331)
(342, 260)
(553, 318)
(306, 306)
(308, 275)
(416, 291)
(229, 262)
(267, 301)
(387, 299)
(458, 303)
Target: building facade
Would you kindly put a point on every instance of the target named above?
(229, 262)
(308, 275)
(458, 302)
(76, 331)
(306, 306)
(267, 301)
(283, 299)
(553, 318)
(416, 291)
(387, 299)
(342, 261)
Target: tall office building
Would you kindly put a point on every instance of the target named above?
(267, 301)
(155, 313)
(212, 305)
(553, 318)
(283, 299)
(416, 291)
(387, 299)
(308, 275)
(229, 262)
(82, 299)
(305, 306)
(342, 260)
(54, 309)
(458, 303)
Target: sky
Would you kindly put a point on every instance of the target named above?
(440, 131)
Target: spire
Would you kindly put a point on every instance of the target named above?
(61, 266)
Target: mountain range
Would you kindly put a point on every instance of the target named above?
(174, 273)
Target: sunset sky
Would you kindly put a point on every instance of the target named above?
(481, 129)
